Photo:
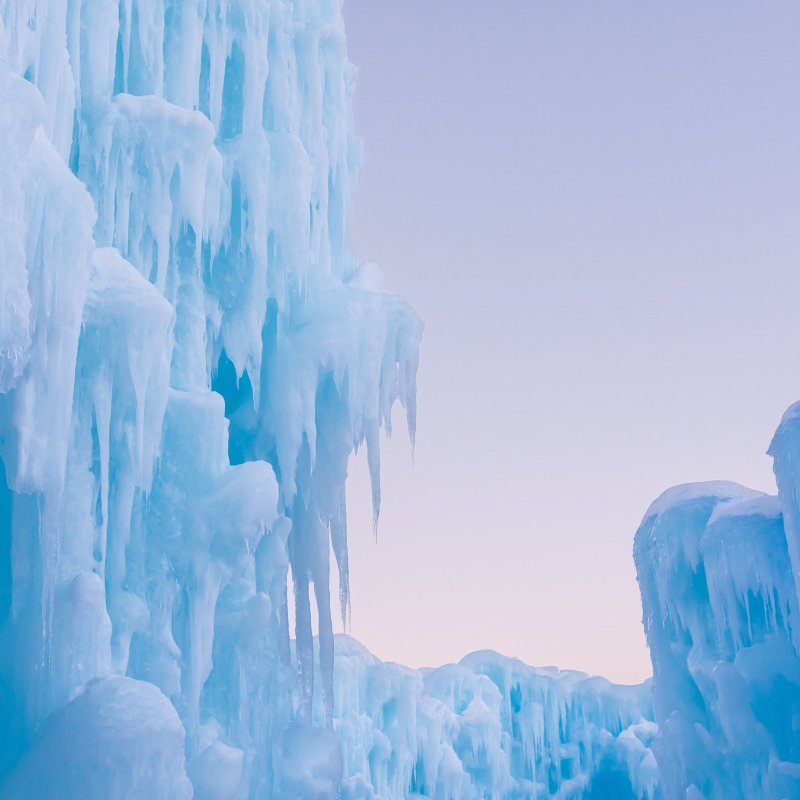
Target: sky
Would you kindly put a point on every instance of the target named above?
(595, 208)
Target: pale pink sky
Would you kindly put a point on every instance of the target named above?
(594, 207)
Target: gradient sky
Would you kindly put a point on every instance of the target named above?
(595, 207)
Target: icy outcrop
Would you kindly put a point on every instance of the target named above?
(189, 354)
(721, 616)
(785, 451)
(119, 738)
(488, 726)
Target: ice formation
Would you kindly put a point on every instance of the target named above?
(189, 353)
(721, 617)
(488, 727)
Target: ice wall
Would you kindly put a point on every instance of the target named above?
(785, 451)
(488, 727)
(189, 354)
(721, 616)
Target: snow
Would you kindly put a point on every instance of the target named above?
(765, 506)
(677, 495)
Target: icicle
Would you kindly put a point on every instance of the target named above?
(339, 541)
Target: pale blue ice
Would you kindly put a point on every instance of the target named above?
(190, 354)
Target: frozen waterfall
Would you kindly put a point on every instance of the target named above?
(189, 354)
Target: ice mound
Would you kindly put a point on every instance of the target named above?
(118, 738)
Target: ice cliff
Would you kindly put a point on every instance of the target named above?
(189, 353)
(721, 617)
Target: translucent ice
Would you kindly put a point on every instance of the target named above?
(488, 727)
(119, 738)
(189, 354)
(720, 613)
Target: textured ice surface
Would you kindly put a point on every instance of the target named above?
(488, 727)
(189, 354)
(720, 613)
(119, 738)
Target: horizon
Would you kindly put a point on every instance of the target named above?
(597, 223)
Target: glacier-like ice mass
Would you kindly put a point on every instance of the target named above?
(189, 355)
(721, 616)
